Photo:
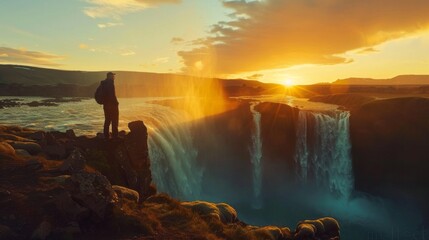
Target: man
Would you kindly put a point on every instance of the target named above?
(110, 106)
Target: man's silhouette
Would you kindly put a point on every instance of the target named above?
(110, 106)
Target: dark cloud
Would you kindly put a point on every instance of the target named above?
(177, 40)
(274, 34)
(256, 76)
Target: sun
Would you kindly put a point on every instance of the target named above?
(288, 83)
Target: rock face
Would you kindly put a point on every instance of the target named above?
(125, 161)
(390, 144)
(92, 191)
(278, 131)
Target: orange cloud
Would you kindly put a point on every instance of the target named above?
(23, 56)
(274, 34)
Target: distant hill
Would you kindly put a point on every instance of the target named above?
(399, 80)
(34, 81)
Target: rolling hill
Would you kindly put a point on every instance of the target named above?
(398, 80)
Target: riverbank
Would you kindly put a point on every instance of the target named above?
(56, 185)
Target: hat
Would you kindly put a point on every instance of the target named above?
(110, 73)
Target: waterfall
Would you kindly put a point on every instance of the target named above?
(301, 157)
(173, 156)
(323, 150)
(256, 153)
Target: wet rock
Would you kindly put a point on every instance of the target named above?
(6, 149)
(40, 104)
(31, 147)
(75, 162)
(7, 136)
(126, 193)
(92, 191)
(38, 136)
(8, 103)
(22, 153)
(42, 231)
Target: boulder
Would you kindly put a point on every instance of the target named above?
(331, 225)
(33, 165)
(38, 136)
(42, 231)
(22, 153)
(137, 127)
(56, 151)
(203, 208)
(323, 228)
(305, 231)
(222, 211)
(318, 225)
(68, 209)
(287, 233)
(7, 136)
(227, 213)
(268, 233)
(92, 191)
(126, 193)
(75, 162)
(6, 149)
(31, 147)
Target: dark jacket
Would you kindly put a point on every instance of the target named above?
(109, 92)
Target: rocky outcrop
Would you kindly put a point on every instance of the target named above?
(124, 161)
(72, 198)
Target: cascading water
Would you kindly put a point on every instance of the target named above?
(256, 154)
(173, 156)
(323, 150)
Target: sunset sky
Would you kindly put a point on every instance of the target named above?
(303, 41)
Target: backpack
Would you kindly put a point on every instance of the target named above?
(99, 93)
